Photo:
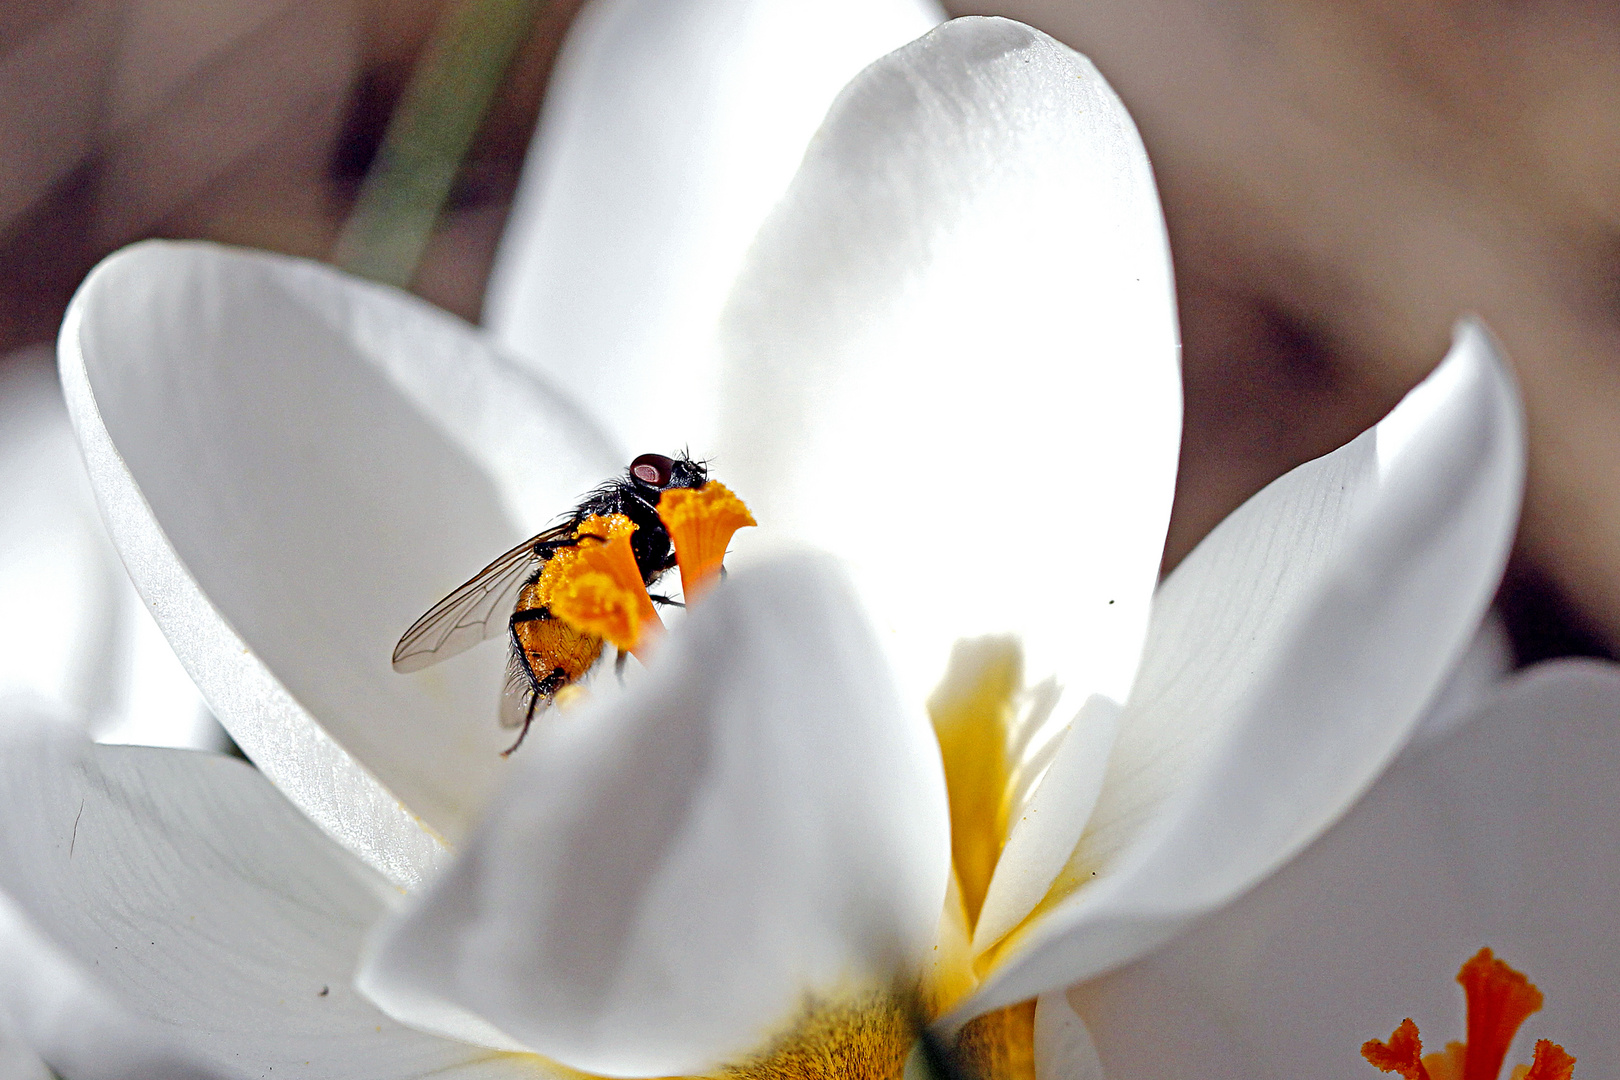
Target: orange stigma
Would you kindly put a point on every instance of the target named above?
(597, 588)
(700, 523)
(1499, 1001)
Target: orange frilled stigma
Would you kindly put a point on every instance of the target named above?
(700, 523)
(596, 587)
(1499, 1001)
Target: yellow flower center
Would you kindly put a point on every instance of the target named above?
(879, 1036)
(999, 1045)
(864, 1037)
(982, 718)
(973, 712)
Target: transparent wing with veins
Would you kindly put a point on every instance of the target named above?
(477, 611)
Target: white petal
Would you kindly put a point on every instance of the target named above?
(76, 639)
(166, 913)
(953, 358)
(1504, 834)
(757, 819)
(18, 1062)
(1063, 1046)
(1050, 823)
(1475, 680)
(670, 129)
(294, 465)
(159, 704)
(1290, 658)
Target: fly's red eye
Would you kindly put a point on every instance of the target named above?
(653, 470)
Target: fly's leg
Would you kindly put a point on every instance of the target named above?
(547, 548)
(545, 688)
(528, 719)
(518, 668)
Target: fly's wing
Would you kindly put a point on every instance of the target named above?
(475, 612)
(519, 696)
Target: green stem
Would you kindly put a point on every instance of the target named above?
(428, 136)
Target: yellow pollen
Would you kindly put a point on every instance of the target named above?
(999, 1045)
(700, 523)
(867, 1037)
(596, 586)
(568, 697)
(870, 1036)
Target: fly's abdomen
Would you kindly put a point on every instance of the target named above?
(556, 653)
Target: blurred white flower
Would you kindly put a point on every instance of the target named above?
(949, 364)
(17, 1062)
(76, 639)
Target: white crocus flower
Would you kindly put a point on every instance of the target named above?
(947, 384)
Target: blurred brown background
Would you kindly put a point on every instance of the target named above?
(247, 121)
(1341, 178)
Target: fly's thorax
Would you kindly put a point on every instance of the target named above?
(650, 542)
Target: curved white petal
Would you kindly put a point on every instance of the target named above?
(1503, 834)
(294, 465)
(670, 128)
(952, 358)
(757, 819)
(166, 913)
(1290, 657)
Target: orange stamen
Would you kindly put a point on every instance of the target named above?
(1551, 1063)
(597, 589)
(1499, 1000)
(700, 523)
(1402, 1054)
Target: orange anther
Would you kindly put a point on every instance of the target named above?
(1551, 1063)
(700, 524)
(1402, 1054)
(598, 588)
